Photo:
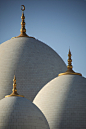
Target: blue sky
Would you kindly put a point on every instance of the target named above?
(58, 23)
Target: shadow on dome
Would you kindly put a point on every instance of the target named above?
(73, 114)
(35, 66)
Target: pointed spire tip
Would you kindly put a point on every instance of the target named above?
(14, 90)
(69, 67)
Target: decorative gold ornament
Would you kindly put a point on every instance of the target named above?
(69, 67)
(23, 30)
(14, 90)
(22, 7)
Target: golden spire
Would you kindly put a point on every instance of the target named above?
(23, 30)
(14, 90)
(69, 67)
(69, 62)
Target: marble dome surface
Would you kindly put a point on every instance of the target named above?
(20, 113)
(63, 102)
(34, 63)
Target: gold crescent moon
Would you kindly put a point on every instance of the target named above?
(22, 7)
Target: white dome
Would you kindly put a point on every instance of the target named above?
(63, 102)
(20, 113)
(34, 62)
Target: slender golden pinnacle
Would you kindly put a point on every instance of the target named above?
(14, 90)
(69, 60)
(23, 30)
(69, 67)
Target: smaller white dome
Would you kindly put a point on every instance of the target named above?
(63, 102)
(20, 113)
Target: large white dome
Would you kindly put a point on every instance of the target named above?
(20, 113)
(63, 102)
(34, 62)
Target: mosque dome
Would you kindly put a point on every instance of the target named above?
(34, 62)
(17, 112)
(20, 113)
(63, 100)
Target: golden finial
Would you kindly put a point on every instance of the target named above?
(69, 61)
(14, 90)
(23, 30)
(69, 67)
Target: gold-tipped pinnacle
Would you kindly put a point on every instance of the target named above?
(69, 67)
(14, 90)
(23, 30)
(69, 61)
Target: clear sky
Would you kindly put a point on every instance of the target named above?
(58, 23)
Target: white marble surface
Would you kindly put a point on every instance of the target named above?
(20, 113)
(63, 102)
(34, 63)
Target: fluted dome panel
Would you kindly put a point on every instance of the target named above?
(63, 102)
(34, 64)
(20, 113)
